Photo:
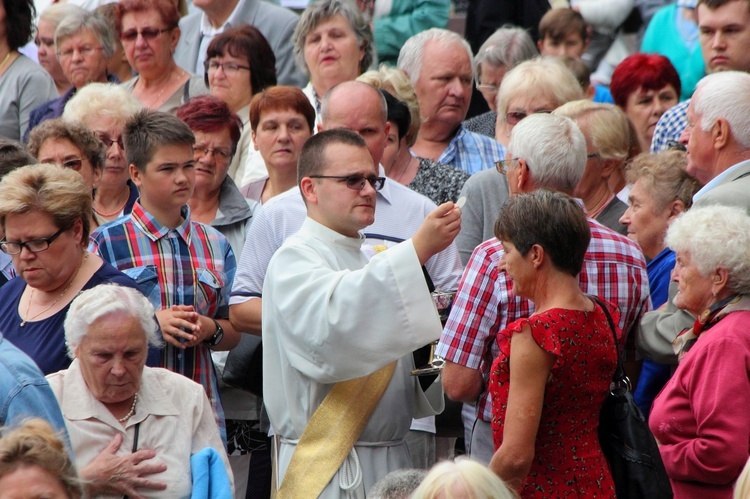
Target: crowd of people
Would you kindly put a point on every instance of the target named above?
(185, 187)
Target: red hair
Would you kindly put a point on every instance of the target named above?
(167, 10)
(647, 71)
(207, 114)
(281, 98)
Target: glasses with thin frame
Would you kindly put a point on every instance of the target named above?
(502, 165)
(147, 34)
(513, 117)
(229, 68)
(108, 141)
(487, 88)
(356, 182)
(34, 245)
(85, 52)
(218, 152)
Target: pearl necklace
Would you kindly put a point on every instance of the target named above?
(132, 410)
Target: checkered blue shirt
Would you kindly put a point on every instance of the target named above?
(670, 126)
(472, 152)
(191, 264)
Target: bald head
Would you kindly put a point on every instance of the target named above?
(359, 107)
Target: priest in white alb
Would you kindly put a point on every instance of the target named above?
(339, 330)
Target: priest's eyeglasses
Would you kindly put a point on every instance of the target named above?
(356, 182)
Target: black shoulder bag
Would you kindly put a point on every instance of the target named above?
(627, 442)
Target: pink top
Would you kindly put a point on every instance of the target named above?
(702, 416)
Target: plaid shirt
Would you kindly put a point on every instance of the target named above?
(670, 126)
(471, 152)
(192, 264)
(613, 269)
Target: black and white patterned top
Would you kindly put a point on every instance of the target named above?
(438, 181)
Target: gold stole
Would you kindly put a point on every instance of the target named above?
(331, 433)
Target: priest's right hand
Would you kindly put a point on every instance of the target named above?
(438, 231)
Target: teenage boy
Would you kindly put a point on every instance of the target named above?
(184, 268)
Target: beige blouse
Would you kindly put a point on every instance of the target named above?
(175, 419)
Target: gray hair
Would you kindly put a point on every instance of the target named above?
(97, 100)
(545, 75)
(715, 237)
(411, 56)
(554, 149)
(103, 300)
(508, 46)
(322, 10)
(79, 21)
(725, 95)
(398, 484)
(59, 11)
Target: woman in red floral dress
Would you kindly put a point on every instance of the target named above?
(554, 369)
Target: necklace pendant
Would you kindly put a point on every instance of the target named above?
(23, 323)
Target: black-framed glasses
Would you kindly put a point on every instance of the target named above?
(502, 165)
(513, 117)
(34, 245)
(229, 68)
(218, 152)
(109, 141)
(356, 182)
(146, 33)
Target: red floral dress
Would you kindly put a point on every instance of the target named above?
(568, 460)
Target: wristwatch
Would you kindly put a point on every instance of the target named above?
(217, 337)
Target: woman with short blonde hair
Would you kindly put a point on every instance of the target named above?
(45, 213)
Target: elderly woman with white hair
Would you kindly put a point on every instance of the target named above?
(104, 108)
(540, 85)
(133, 428)
(700, 418)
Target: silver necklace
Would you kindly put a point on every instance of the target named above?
(132, 410)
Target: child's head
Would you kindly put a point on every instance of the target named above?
(582, 74)
(159, 150)
(562, 32)
(148, 131)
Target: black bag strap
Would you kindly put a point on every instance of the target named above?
(620, 371)
(135, 443)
